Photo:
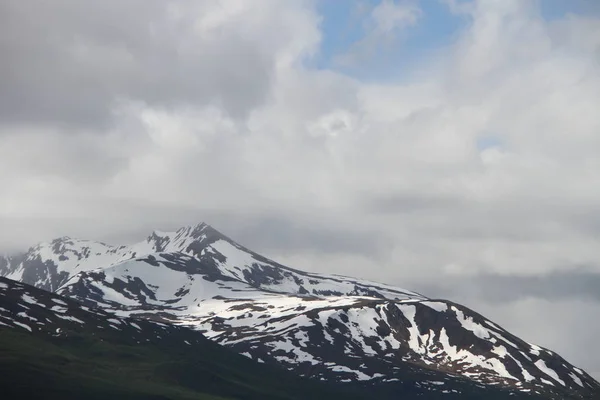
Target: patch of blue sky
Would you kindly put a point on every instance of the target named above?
(341, 27)
(557, 9)
(489, 141)
(344, 25)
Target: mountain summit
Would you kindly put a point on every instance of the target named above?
(327, 327)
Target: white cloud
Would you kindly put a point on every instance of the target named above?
(389, 15)
(325, 143)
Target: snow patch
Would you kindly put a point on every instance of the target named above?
(436, 305)
(28, 299)
(541, 364)
(70, 318)
(22, 325)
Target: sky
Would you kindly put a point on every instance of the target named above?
(449, 147)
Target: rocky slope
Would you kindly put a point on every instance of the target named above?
(327, 327)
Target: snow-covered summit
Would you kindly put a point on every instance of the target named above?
(49, 265)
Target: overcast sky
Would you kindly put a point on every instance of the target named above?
(450, 147)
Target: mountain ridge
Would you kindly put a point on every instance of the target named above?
(328, 327)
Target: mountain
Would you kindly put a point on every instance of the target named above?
(327, 327)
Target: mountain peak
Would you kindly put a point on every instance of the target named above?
(202, 231)
(159, 234)
(161, 240)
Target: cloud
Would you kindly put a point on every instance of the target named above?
(578, 284)
(402, 159)
(389, 16)
(70, 63)
(120, 117)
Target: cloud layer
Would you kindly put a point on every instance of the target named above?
(480, 166)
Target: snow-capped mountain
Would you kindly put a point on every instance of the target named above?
(328, 327)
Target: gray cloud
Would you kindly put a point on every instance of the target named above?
(69, 63)
(265, 233)
(572, 284)
(286, 234)
(409, 202)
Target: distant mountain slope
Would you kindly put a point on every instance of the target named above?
(333, 328)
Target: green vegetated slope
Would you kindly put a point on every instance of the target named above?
(87, 367)
(84, 367)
